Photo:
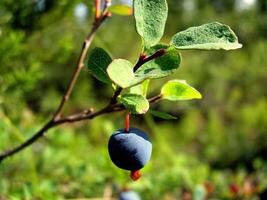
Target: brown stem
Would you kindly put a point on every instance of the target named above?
(142, 60)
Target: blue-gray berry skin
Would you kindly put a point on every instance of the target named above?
(129, 195)
(130, 151)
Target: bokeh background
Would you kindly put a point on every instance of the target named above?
(217, 146)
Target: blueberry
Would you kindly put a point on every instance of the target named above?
(130, 150)
(129, 195)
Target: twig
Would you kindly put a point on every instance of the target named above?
(87, 42)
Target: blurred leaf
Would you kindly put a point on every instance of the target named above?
(208, 36)
(176, 90)
(135, 103)
(121, 72)
(120, 9)
(162, 66)
(140, 89)
(162, 115)
(150, 19)
(97, 64)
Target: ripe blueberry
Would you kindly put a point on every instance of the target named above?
(130, 150)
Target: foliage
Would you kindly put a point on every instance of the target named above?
(220, 139)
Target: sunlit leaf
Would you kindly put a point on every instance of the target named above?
(176, 90)
(120, 72)
(211, 36)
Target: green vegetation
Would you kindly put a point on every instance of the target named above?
(216, 146)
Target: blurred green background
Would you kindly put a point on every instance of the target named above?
(218, 145)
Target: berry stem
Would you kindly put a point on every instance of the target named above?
(127, 122)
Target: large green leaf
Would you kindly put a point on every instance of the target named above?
(176, 90)
(162, 66)
(211, 36)
(121, 9)
(150, 16)
(97, 64)
(121, 72)
(135, 103)
(162, 115)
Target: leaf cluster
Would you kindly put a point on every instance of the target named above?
(156, 60)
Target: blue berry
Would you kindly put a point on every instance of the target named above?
(130, 150)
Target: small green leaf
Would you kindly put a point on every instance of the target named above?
(162, 115)
(135, 103)
(121, 9)
(211, 36)
(97, 64)
(141, 89)
(121, 72)
(176, 90)
(162, 66)
(150, 19)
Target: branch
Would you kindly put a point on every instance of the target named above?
(87, 42)
(142, 60)
(88, 115)
(56, 119)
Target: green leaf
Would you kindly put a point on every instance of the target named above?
(211, 36)
(140, 89)
(150, 17)
(121, 9)
(135, 103)
(176, 90)
(97, 64)
(162, 115)
(162, 66)
(121, 72)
